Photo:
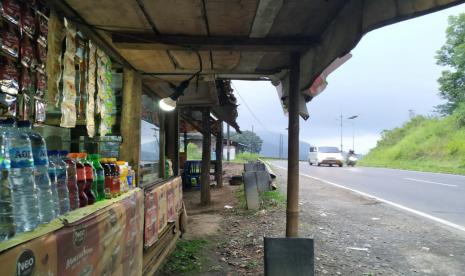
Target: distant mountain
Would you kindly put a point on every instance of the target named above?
(270, 146)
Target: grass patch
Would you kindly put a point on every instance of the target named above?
(273, 199)
(240, 195)
(244, 157)
(422, 144)
(186, 258)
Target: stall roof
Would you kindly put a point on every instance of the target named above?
(238, 39)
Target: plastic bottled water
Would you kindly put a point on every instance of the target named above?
(62, 182)
(7, 226)
(21, 178)
(42, 179)
(72, 180)
(52, 173)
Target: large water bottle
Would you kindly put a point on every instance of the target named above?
(21, 178)
(72, 180)
(62, 182)
(7, 225)
(42, 179)
(52, 173)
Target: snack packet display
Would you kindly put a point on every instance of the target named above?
(42, 14)
(8, 77)
(27, 52)
(91, 78)
(10, 10)
(68, 105)
(105, 95)
(28, 19)
(9, 40)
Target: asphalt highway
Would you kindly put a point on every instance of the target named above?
(439, 197)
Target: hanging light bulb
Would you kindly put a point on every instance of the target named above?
(167, 104)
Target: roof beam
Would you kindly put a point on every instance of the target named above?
(151, 41)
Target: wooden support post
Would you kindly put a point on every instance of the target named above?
(228, 145)
(292, 211)
(185, 143)
(219, 157)
(131, 119)
(206, 153)
(176, 143)
(162, 144)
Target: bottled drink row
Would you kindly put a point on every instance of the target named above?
(37, 185)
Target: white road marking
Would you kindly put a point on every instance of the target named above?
(419, 213)
(430, 182)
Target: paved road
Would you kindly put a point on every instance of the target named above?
(440, 196)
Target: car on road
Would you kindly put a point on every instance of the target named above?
(325, 155)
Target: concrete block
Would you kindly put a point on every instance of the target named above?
(263, 181)
(251, 191)
(289, 256)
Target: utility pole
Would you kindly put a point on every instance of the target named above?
(228, 143)
(341, 133)
(353, 130)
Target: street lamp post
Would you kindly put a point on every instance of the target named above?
(353, 130)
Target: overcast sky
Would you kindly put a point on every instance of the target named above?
(392, 70)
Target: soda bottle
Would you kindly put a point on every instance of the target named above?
(81, 179)
(123, 176)
(100, 173)
(89, 170)
(115, 191)
(7, 224)
(72, 180)
(42, 179)
(21, 178)
(62, 182)
(108, 177)
(52, 173)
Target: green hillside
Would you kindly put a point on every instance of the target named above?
(424, 144)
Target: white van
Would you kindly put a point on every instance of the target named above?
(325, 155)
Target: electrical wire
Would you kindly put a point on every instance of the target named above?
(250, 110)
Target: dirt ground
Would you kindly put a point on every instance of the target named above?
(353, 235)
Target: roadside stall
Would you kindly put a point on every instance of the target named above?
(92, 130)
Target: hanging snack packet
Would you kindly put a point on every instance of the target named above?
(54, 59)
(105, 96)
(24, 103)
(9, 40)
(39, 110)
(41, 85)
(28, 19)
(41, 58)
(24, 100)
(27, 52)
(8, 77)
(10, 10)
(91, 75)
(68, 105)
(43, 14)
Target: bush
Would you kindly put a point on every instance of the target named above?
(193, 152)
(459, 115)
(246, 157)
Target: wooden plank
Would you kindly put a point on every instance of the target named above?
(130, 119)
(113, 14)
(231, 17)
(177, 16)
(148, 60)
(205, 197)
(225, 60)
(150, 41)
(219, 157)
(190, 60)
